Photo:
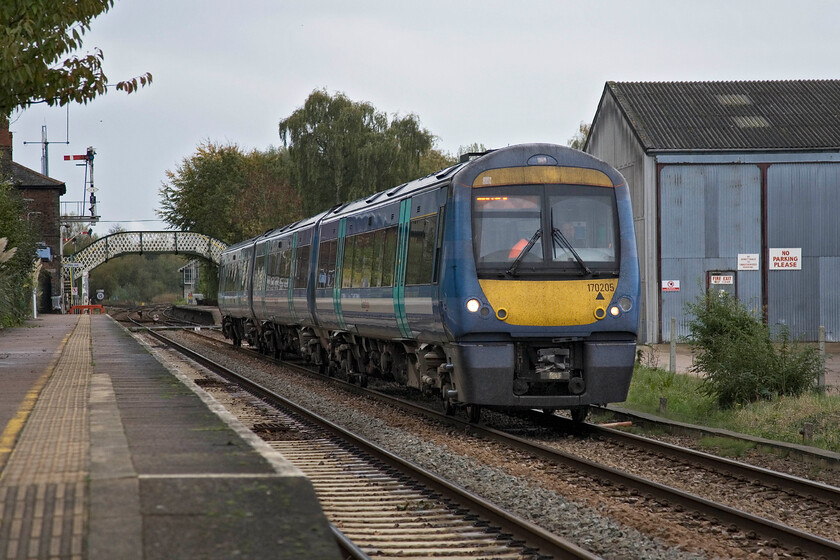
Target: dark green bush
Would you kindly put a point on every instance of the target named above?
(740, 360)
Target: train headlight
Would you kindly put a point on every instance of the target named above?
(614, 311)
(473, 305)
(625, 303)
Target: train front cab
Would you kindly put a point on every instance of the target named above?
(550, 320)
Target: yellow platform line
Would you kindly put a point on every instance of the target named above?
(15, 425)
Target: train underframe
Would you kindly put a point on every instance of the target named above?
(547, 374)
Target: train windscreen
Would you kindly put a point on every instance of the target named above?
(545, 229)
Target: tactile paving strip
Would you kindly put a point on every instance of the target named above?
(43, 484)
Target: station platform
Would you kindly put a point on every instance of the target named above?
(104, 453)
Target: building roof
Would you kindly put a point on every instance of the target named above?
(732, 116)
(25, 178)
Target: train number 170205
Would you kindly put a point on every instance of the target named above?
(601, 287)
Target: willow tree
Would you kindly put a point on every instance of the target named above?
(341, 150)
(38, 39)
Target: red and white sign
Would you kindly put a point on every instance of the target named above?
(722, 279)
(786, 259)
(748, 261)
(670, 285)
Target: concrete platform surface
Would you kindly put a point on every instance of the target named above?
(105, 454)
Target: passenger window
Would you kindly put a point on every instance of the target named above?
(302, 266)
(359, 258)
(326, 264)
(347, 270)
(389, 256)
(376, 265)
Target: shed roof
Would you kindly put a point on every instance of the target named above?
(732, 116)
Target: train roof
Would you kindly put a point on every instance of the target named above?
(394, 193)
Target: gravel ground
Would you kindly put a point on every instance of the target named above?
(610, 522)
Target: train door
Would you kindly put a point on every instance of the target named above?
(339, 273)
(400, 268)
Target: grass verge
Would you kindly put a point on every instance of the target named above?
(780, 419)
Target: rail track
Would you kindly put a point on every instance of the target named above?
(826, 498)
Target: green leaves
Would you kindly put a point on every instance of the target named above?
(37, 64)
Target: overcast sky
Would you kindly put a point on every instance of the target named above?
(492, 72)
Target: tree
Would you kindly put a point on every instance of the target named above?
(140, 278)
(435, 160)
(578, 141)
(37, 39)
(225, 193)
(474, 148)
(341, 150)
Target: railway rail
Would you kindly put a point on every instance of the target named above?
(387, 506)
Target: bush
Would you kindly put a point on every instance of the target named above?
(17, 255)
(740, 360)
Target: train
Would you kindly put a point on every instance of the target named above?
(509, 280)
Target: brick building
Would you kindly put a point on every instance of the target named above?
(41, 196)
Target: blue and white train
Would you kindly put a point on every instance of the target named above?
(509, 280)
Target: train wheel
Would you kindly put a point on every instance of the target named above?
(363, 380)
(473, 412)
(579, 414)
(448, 403)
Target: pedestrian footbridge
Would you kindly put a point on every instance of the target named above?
(140, 242)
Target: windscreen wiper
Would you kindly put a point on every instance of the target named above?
(564, 242)
(515, 264)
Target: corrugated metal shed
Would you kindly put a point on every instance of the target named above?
(749, 115)
(726, 172)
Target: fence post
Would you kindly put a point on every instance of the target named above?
(673, 365)
(821, 379)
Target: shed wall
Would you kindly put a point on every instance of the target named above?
(803, 201)
(710, 214)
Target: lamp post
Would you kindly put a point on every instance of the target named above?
(35, 277)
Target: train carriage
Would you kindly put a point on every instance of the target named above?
(508, 280)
